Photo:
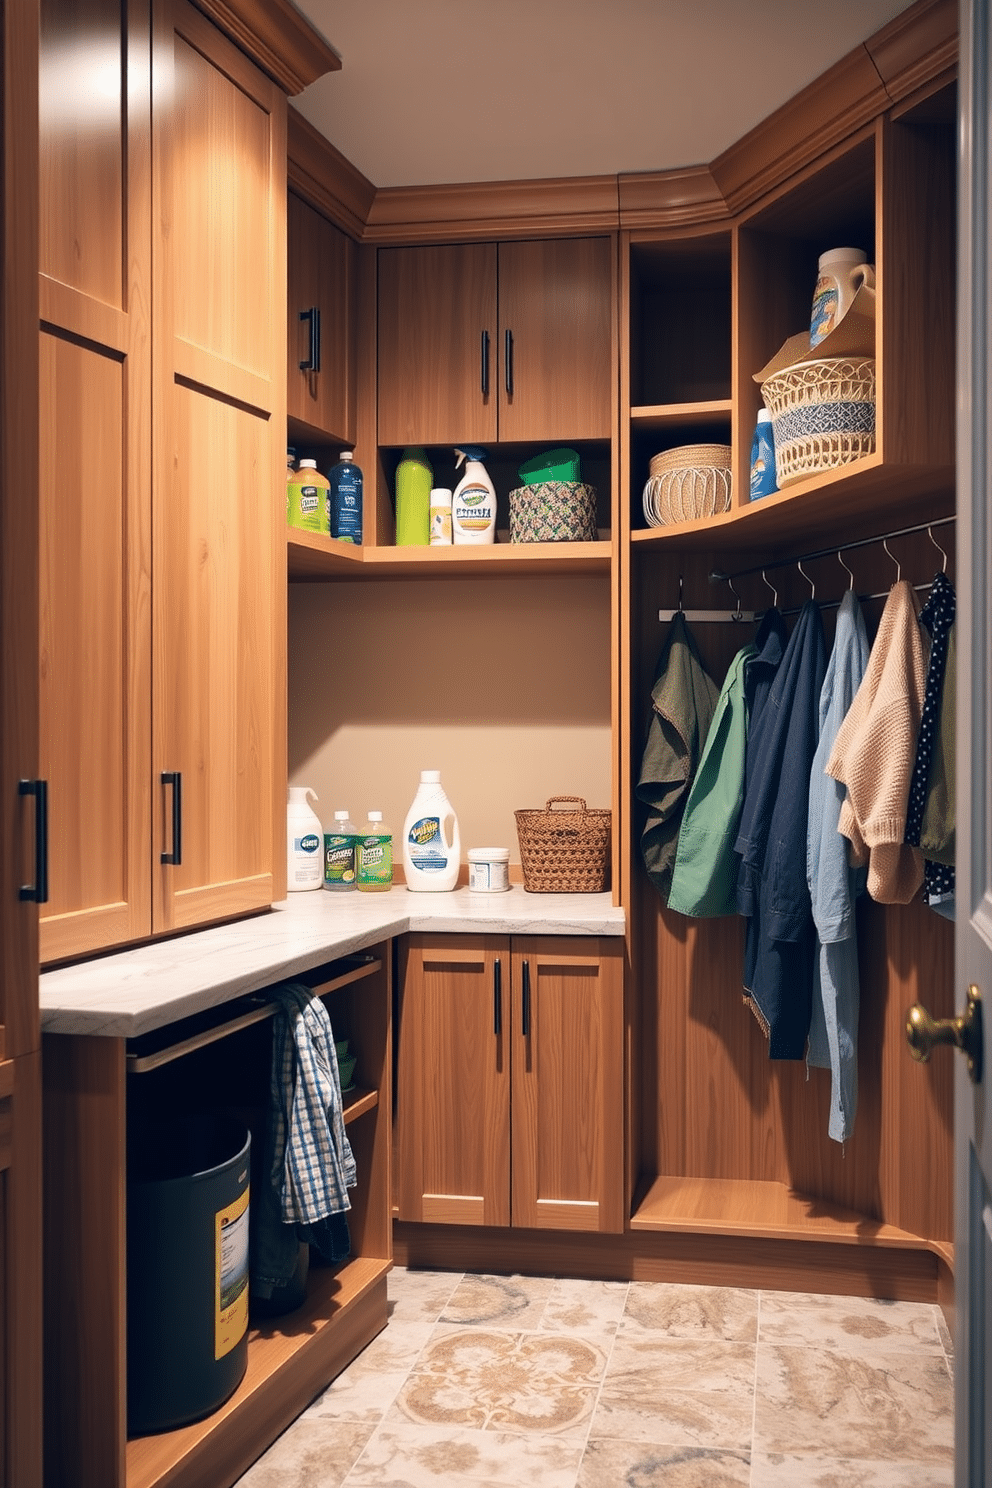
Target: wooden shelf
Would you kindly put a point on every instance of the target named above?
(859, 499)
(313, 557)
(664, 415)
(358, 1102)
(289, 1361)
(751, 1208)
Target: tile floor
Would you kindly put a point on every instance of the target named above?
(520, 1382)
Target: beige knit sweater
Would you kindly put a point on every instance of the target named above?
(875, 749)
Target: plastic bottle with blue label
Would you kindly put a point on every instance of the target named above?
(763, 478)
(304, 841)
(431, 843)
(346, 499)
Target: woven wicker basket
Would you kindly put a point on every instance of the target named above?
(687, 484)
(565, 851)
(823, 415)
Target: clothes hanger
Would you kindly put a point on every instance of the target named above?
(812, 586)
(710, 617)
(895, 560)
(940, 550)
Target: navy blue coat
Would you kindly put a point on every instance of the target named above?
(772, 889)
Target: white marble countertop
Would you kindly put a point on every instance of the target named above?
(149, 986)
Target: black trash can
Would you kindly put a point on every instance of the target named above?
(187, 1270)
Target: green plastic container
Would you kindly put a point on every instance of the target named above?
(553, 465)
(414, 479)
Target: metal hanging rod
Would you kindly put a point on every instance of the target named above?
(835, 549)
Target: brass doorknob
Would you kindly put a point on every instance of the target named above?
(924, 1033)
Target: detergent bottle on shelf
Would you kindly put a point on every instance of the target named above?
(473, 502)
(431, 844)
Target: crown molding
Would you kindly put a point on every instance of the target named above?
(670, 198)
(494, 208)
(277, 37)
(329, 181)
(917, 47)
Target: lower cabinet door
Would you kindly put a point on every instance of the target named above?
(510, 1082)
(567, 1085)
(453, 1093)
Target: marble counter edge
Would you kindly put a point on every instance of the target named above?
(133, 991)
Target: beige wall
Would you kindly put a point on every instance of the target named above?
(502, 684)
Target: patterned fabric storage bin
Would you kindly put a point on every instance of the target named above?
(553, 511)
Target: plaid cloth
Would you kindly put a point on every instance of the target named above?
(312, 1163)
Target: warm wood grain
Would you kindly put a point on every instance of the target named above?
(322, 176)
(555, 300)
(219, 578)
(488, 209)
(453, 1080)
(84, 1249)
(321, 271)
(662, 199)
(916, 46)
(434, 304)
(280, 39)
(566, 1104)
(311, 556)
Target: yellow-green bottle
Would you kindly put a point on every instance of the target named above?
(414, 479)
(374, 856)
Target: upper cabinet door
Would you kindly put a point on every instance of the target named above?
(320, 325)
(218, 458)
(555, 341)
(95, 472)
(437, 345)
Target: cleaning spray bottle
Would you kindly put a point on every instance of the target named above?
(431, 844)
(304, 841)
(473, 504)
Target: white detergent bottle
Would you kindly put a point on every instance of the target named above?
(473, 503)
(431, 844)
(304, 841)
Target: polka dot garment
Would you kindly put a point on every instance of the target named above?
(938, 616)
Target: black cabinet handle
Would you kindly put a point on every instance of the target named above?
(175, 779)
(312, 363)
(497, 998)
(38, 891)
(525, 1002)
(508, 362)
(484, 374)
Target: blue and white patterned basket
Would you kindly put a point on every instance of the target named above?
(823, 415)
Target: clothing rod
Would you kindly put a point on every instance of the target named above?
(831, 604)
(718, 575)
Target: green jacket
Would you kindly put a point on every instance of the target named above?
(683, 698)
(704, 879)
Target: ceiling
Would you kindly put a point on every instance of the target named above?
(494, 90)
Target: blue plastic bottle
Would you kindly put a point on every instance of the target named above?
(346, 499)
(763, 478)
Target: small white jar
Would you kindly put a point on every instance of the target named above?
(488, 870)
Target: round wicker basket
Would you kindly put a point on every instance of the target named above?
(823, 415)
(687, 484)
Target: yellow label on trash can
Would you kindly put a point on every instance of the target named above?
(231, 1275)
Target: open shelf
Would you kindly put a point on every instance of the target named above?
(751, 1208)
(311, 557)
(289, 1360)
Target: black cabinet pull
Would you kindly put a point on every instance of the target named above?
(508, 362)
(525, 1002)
(484, 375)
(312, 363)
(175, 779)
(497, 997)
(38, 891)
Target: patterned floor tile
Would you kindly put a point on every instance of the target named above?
(677, 1392)
(419, 1296)
(310, 1454)
(622, 1465)
(852, 1324)
(410, 1456)
(899, 1404)
(489, 1380)
(691, 1312)
(499, 1301)
(788, 1470)
(592, 1309)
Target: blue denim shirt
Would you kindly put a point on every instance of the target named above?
(834, 885)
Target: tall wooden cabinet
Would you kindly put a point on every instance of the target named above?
(320, 362)
(21, 867)
(162, 686)
(509, 1081)
(487, 341)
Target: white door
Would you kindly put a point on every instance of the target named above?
(973, 948)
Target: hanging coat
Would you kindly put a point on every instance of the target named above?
(835, 884)
(682, 702)
(772, 890)
(875, 750)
